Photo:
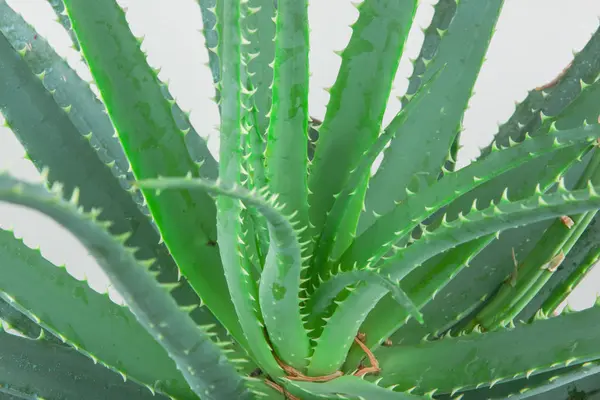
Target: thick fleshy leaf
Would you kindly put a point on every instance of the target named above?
(38, 369)
(356, 105)
(80, 106)
(83, 318)
(211, 40)
(334, 225)
(154, 145)
(287, 140)
(59, 9)
(280, 279)
(561, 289)
(201, 361)
(483, 359)
(541, 386)
(334, 344)
(333, 285)
(13, 320)
(243, 289)
(545, 103)
(405, 216)
(444, 12)
(531, 275)
(416, 155)
(354, 388)
(444, 284)
(64, 128)
(259, 25)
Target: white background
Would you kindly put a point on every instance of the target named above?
(533, 43)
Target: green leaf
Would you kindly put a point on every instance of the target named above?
(542, 104)
(333, 285)
(79, 104)
(59, 9)
(155, 146)
(12, 395)
(549, 388)
(434, 125)
(448, 297)
(35, 369)
(280, 279)
(492, 266)
(85, 319)
(197, 146)
(357, 102)
(263, 391)
(530, 276)
(323, 253)
(55, 139)
(259, 30)
(334, 224)
(257, 234)
(515, 387)
(252, 248)
(563, 288)
(504, 215)
(313, 136)
(375, 242)
(201, 361)
(480, 359)
(14, 321)
(334, 344)
(211, 39)
(422, 286)
(287, 141)
(242, 288)
(255, 147)
(444, 12)
(352, 387)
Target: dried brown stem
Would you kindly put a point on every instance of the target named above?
(374, 368)
(323, 378)
(281, 390)
(295, 375)
(554, 81)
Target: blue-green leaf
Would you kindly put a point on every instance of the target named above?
(155, 146)
(415, 157)
(201, 361)
(38, 369)
(280, 279)
(357, 102)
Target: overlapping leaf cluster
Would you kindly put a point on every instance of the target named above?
(285, 270)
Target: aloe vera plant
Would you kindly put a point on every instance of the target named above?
(286, 270)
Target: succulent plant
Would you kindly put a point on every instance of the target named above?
(287, 269)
